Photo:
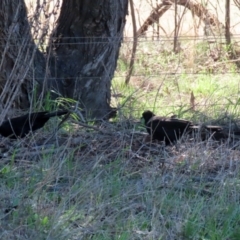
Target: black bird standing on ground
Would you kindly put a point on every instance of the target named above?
(19, 127)
(165, 129)
(171, 129)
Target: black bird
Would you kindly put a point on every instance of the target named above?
(165, 129)
(19, 127)
(171, 129)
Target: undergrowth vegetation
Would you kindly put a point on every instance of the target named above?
(108, 181)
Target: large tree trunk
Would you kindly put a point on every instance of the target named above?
(86, 44)
(81, 56)
(17, 55)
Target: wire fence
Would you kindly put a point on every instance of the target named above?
(166, 71)
(200, 78)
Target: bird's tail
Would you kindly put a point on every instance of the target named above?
(57, 113)
(212, 128)
(209, 131)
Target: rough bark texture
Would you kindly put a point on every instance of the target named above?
(80, 60)
(16, 54)
(86, 44)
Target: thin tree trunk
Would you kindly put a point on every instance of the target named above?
(17, 51)
(134, 47)
(227, 23)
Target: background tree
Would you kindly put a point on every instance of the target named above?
(79, 61)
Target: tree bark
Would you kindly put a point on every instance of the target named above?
(81, 57)
(86, 45)
(17, 51)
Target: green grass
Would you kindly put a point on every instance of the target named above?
(163, 81)
(86, 197)
(85, 184)
(214, 94)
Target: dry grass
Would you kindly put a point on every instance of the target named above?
(114, 184)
